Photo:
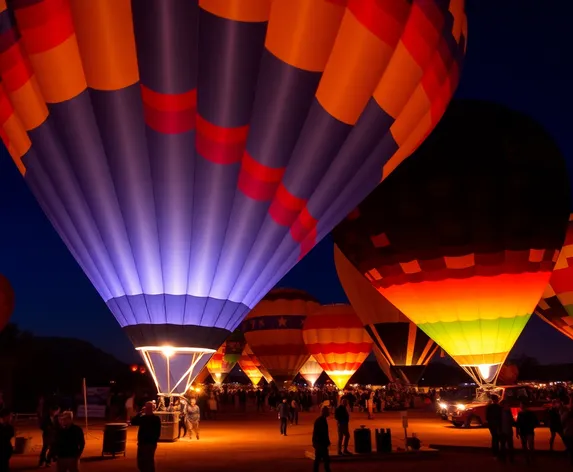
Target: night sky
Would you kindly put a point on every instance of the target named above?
(518, 55)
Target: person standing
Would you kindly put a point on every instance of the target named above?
(193, 416)
(130, 407)
(526, 424)
(283, 416)
(6, 435)
(69, 443)
(506, 433)
(321, 440)
(493, 415)
(294, 412)
(49, 425)
(181, 408)
(147, 437)
(342, 418)
(567, 422)
(555, 425)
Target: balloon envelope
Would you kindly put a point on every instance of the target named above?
(218, 366)
(457, 239)
(335, 337)
(234, 346)
(311, 371)
(250, 369)
(189, 153)
(7, 301)
(556, 304)
(406, 347)
(273, 330)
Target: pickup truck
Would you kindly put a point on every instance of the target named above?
(473, 413)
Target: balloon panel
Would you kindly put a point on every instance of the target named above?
(456, 239)
(250, 369)
(273, 330)
(189, 153)
(556, 304)
(396, 337)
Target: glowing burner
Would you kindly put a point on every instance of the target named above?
(484, 373)
(174, 368)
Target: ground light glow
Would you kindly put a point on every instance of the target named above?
(173, 369)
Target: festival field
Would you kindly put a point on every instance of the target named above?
(251, 442)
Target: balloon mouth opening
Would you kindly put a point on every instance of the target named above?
(173, 369)
(483, 373)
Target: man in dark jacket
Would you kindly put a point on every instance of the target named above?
(6, 435)
(284, 411)
(342, 419)
(493, 415)
(69, 443)
(555, 425)
(321, 440)
(49, 425)
(526, 424)
(147, 437)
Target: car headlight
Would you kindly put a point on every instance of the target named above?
(443, 406)
(461, 406)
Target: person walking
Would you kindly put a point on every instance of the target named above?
(69, 443)
(49, 425)
(283, 416)
(493, 415)
(321, 440)
(147, 437)
(6, 435)
(342, 418)
(526, 424)
(555, 425)
(193, 416)
(294, 407)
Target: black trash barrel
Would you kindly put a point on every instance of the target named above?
(362, 440)
(383, 441)
(114, 439)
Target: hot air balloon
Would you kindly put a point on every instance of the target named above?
(383, 363)
(189, 152)
(7, 301)
(234, 346)
(458, 240)
(218, 366)
(202, 376)
(311, 371)
(273, 330)
(250, 369)
(405, 346)
(335, 337)
(258, 364)
(556, 304)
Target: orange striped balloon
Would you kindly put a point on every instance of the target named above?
(335, 337)
(250, 369)
(311, 371)
(218, 367)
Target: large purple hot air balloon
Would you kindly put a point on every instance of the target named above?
(189, 153)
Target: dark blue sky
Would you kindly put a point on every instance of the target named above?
(518, 55)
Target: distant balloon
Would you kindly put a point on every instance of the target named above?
(219, 367)
(508, 374)
(311, 371)
(463, 236)
(556, 304)
(335, 337)
(7, 301)
(250, 369)
(248, 351)
(234, 346)
(273, 330)
(407, 348)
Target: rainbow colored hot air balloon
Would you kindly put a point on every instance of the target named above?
(335, 337)
(556, 304)
(273, 330)
(219, 367)
(311, 371)
(7, 301)
(250, 369)
(190, 152)
(456, 238)
(406, 347)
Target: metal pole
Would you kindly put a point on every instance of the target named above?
(85, 403)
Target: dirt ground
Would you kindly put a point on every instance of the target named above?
(252, 442)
